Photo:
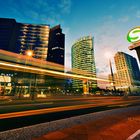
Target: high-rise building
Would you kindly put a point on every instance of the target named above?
(7, 34)
(127, 70)
(47, 44)
(56, 45)
(33, 37)
(19, 37)
(83, 61)
(44, 42)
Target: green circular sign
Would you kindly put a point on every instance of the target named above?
(134, 35)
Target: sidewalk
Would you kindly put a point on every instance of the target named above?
(109, 128)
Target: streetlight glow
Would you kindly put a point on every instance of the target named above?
(29, 52)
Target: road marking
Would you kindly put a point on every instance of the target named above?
(134, 136)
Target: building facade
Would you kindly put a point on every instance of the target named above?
(83, 63)
(33, 37)
(56, 48)
(7, 34)
(128, 74)
(45, 42)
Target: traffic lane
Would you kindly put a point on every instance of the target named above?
(20, 108)
(55, 103)
(18, 122)
(56, 98)
(51, 103)
(63, 108)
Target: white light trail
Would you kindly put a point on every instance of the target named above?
(39, 71)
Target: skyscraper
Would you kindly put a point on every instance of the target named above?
(83, 60)
(56, 48)
(33, 37)
(19, 37)
(7, 34)
(127, 70)
(45, 42)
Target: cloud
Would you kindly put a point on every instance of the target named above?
(40, 11)
(103, 70)
(110, 38)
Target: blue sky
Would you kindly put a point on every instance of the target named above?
(107, 20)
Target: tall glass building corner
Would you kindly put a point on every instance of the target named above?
(83, 63)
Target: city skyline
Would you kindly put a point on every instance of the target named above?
(99, 19)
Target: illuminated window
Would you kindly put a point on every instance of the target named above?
(57, 33)
(55, 48)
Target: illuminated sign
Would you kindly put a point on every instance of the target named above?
(134, 35)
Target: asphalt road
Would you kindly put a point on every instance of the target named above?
(40, 106)
(20, 108)
(56, 108)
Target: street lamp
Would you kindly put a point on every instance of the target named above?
(29, 53)
(108, 55)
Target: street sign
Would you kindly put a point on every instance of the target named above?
(134, 35)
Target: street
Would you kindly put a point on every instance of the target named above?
(16, 115)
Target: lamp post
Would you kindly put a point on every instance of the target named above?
(108, 55)
(29, 54)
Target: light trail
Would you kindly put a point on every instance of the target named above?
(14, 58)
(23, 59)
(111, 103)
(44, 71)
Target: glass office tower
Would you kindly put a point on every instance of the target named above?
(127, 69)
(56, 48)
(83, 62)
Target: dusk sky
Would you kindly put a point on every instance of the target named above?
(108, 21)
